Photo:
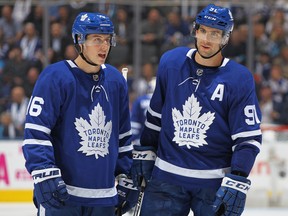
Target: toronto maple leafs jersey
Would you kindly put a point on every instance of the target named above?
(138, 116)
(80, 122)
(204, 121)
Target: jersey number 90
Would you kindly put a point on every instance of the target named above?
(251, 114)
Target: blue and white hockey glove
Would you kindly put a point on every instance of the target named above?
(127, 195)
(143, 162)
(49, 188)
(231, 196)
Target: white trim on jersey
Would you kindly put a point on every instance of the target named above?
(90, 192)
(128, 133)
(246, 134)
(126, 148)
(37, 142)
(152, 126)
(153, 113)
(38, 128)
(71, 63)
(191, 51)
(201, 174)
(251, 142)
(225, 61)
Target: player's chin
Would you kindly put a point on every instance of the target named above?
(101, 61)
(204, 53)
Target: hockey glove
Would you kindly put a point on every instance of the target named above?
(231, 196)
(143, 162)
(49, 188)
(127, 195)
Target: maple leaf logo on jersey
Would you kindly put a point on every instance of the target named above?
(96, 134)
(191, 127)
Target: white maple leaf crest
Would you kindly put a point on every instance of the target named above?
(94, 135)
(191, 127)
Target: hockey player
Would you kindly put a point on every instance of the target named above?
(138, 112)
(203, 128)
(77, 127)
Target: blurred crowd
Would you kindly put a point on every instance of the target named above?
(162, 28)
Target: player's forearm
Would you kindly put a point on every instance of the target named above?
(243, 159)
(124, 163)
(149, 138)
(38, 155)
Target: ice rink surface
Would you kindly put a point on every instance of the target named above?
(27, 209)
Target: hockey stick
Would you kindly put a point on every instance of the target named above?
(119, 211)
(140, 198)
(124, 72)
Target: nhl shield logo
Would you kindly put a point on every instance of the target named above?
(95, 77)
(199, 72)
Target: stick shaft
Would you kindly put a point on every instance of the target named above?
(140, 199)
(124, 72)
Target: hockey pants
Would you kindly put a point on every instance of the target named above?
(77, 211)
(163, 199)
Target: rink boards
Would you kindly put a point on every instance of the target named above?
(15, 181)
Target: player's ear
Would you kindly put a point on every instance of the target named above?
(76, 44)
(225, 38)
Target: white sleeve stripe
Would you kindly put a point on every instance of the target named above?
(251, 142)
(126, 148)
(37, 142)
(135, 124)
(246, 134)
(37, 127)
(153, 113)
(128, 133)
(152, 126)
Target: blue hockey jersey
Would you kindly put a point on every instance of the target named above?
(138, 116)
(80, 123)
(204, 121)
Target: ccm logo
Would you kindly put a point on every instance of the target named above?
(139, 155)
(144, 155)
(237, 185)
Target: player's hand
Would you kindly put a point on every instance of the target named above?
(231, 196)
(143, 162)
(127, 195)
(49, 188)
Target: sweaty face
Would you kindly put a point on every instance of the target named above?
(209, 40)
(96, 48)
